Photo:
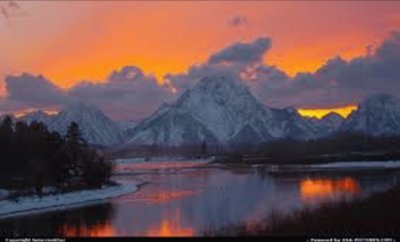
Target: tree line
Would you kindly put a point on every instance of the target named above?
(33, 157)
(338, 147)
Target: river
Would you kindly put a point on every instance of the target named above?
(187, 199)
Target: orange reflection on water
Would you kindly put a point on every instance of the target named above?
(164, 196)
(324, 187)
(171, 226)
(98, 230)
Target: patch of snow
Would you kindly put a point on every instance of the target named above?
(34, 204)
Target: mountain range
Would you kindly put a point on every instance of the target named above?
(222, 111)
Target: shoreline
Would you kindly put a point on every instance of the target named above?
(375, 215)
(34, 204)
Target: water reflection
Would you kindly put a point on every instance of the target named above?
(171, 226)
(319, 188)
(189, 202)
(93, 220)
(97, 230)
(165, 196)
(158, 165)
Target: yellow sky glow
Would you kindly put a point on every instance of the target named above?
(319, 113)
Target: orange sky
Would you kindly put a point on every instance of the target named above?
(68, 41)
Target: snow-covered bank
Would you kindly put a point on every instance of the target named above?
(161, 159)
(34, 204)
(359, 164)
(335, 166)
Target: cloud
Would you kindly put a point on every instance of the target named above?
(231, 62)
(337, 83)
(29, 91)
(238, 20)
(128, 94)
(10, 8)
(349, 82)
(245, 53)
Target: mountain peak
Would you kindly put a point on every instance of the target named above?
(222, 110)
(332, 116)
(38, 115)
(379, 101)
(377, 115)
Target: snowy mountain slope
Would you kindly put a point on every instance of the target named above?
(328, 124)
(95, 126)
(172, 128)
(376, 115)
(332, 120)
(125, 125)
(220, 110)
(38, 116)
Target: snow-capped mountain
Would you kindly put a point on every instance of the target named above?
(328, 124)
(38, 116)
(219, 110)
(332, 120)
(376, 115)
(95, 126)
(125, 125)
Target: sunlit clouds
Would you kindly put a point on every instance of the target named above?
(314, 56)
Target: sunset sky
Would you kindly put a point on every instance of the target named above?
(73, 41)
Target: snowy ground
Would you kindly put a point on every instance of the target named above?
(34, 204)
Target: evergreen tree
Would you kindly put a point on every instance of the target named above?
(6, 144)
(38, 157)
(204, 148)
(75, 146)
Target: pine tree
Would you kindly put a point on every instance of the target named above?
(204, 148)
(75, 146)
(6, 144)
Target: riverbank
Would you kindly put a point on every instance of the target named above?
(377, 215)
(35, 204)
(306, 159)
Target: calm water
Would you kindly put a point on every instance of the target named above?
(188, 201)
